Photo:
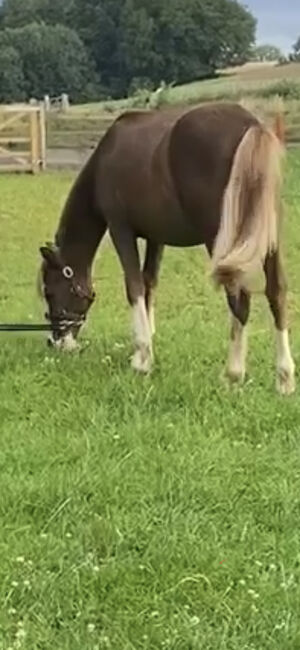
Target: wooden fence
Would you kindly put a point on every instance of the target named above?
(60, 103)
(22, 138)
(71, 136)
(84, 128)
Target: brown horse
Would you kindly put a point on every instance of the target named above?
(205, 176)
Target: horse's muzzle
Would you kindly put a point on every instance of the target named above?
(65, 342)
(64, 334)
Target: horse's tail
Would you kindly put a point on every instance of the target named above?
(279, 128)
(249, 222)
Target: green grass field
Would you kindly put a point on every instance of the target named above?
(135, 514)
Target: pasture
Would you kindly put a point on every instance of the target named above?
(144, 513)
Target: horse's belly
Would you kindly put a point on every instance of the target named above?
(171, 236)
(163, 221)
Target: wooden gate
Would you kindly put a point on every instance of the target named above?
(22, 138)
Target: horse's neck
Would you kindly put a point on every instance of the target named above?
(79, 230)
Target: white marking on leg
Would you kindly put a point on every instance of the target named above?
(237, 352)
(151, 316)
(142, 359)
(285, 365)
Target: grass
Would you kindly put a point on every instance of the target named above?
(138, 514)
(249, 80)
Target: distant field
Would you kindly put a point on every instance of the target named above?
(157, 513)
(248, 79)
(251, 79)
(259, 84)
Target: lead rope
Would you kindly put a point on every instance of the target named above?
(25, 327)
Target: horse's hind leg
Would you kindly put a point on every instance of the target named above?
(240, 308)
(276, 292)
(150, 272)
(125, 243)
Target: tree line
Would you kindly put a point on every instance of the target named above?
(93, 49)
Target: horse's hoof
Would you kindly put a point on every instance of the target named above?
(286, 383)
(142, 362)
(235, 376)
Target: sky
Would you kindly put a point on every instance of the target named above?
(278, 21)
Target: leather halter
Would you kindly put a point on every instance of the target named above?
(65, 319)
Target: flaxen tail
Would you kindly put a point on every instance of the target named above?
(249, 224)
(279, 128)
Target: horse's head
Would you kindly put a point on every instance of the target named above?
(68, 294)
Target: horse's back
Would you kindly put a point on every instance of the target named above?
(167, 170)
(202, 146)
(134, 177)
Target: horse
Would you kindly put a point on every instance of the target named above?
(204, 176)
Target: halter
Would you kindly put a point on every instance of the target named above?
(64, 321)
(67, 319)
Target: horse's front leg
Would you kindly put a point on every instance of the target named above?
(125, 243)
(150, 273)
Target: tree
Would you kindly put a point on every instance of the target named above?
(195, 39)
(137, 57)
(234, 33)
(296, 48)
(18, 13)
(174, 40)
(98, 24)
(54, 60)
(266, 53)
(141, 41)
(12, 82)
(182, 41)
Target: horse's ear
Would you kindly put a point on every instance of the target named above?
(50, 253)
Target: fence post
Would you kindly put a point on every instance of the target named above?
(47, 103)
(65, 104)
(34, 137)
(42, 137)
